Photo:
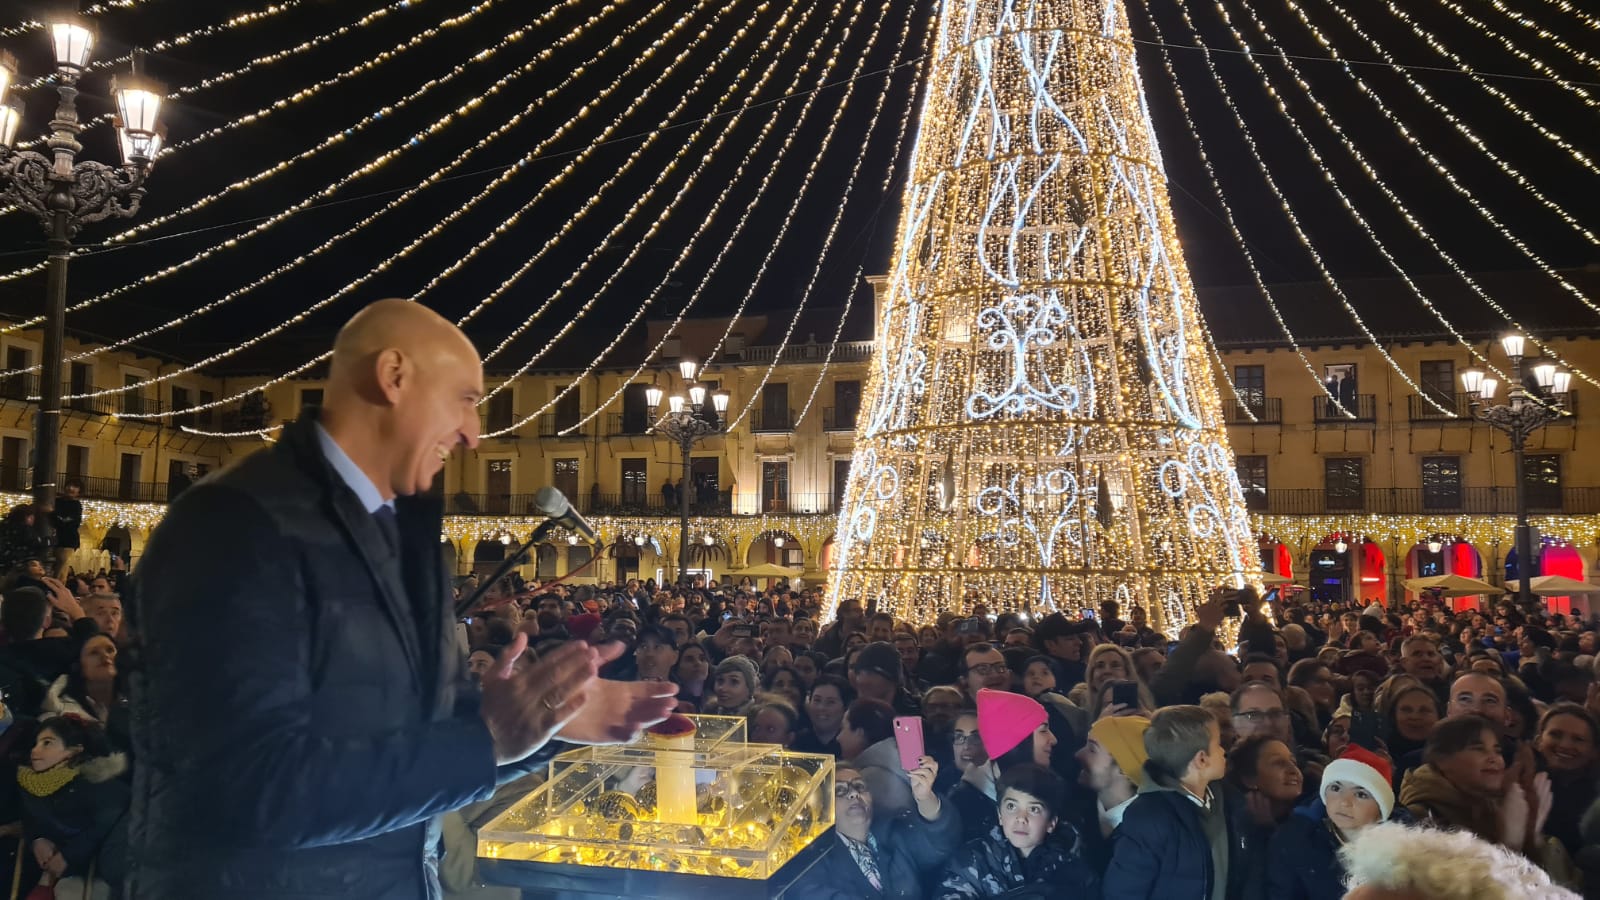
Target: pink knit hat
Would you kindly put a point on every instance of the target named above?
(1006, 719)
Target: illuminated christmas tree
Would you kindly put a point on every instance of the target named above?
(1041, 430)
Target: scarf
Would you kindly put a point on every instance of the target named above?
(43, 784)
(866, 857)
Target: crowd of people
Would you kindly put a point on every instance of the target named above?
(1248, 755)
(1242, 756)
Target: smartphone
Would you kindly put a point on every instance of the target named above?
(908, 739)
(1086, 613)
(970, 626)
(1365, 728)
(744, 631)
(1126, 693)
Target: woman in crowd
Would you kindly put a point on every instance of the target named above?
(785, 682)
(691, 673)
(1303, 855)
(1108, 663)
(1015, 730)
(1409, 715)
(1316, 679)
(774, 659)
(1568, 745)
(966, 744)
(1263, 769)
(825, 707)
(733, 687)
(808, 666)
(773, 721)
(1461, 784)
(71, 803)
(1020, 856)
(879, 858)
(93, 690)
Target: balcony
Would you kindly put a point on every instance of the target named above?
(627, 424)
(1420, 410)
(20, 387)
(840, 419)
(771, 421)
(554, 427)
(843, 352)
(650, 504)
(1364, 409)
(1416, 501)
(1266, 410)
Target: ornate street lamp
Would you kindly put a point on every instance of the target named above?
(688, 421)
(1525, 411)
(66, 194)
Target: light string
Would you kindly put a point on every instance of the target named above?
(1573, 10)
(90, 11)
(1450, 178)
(596, 195)
(1511, 106)
(1294, 221)
(833, 227)
(386, 264)
(35, 25)
(1233, 225)
(1344, 199)
(638, 246)
(506, 175)
(268, 59)
(1543, 32)
(337, 138)
(750, 208)
(1511, 47)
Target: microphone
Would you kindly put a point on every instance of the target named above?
(553, 504)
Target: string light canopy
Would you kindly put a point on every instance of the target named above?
(1038, 347)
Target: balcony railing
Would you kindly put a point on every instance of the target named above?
(20, 387)
(554, 427)
(1417, 501)
(1420, 410)
(843, 352)
(1364, 408)
(626, 424)
(840, 419)
(771, 421)
(715, 503)
(1267, 411)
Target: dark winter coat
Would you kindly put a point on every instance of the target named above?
(84, 819)
(1303, 859)
(295, 717)
(66, 518)
(910, 850)
(990, 867)
(1160, 850)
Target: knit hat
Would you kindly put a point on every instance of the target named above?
(1364, 769)
(580, 627)
(1006, 719)
(744, 666)
(1123, 738)
(879, 658)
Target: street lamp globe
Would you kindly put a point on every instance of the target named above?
(778, 542)
(1562, 383)
(1488, 388)
(687, 368)
(72, 40)
(10, 124)
(675, 403)
(697, 396)
(1544, 374)
(720, 401)
(652, 396)
(1340, 546)
(8, 71)
(1434, 546)
(1514, 344)
(1472, 380)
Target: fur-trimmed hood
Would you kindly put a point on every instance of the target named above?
(104, 768)
(57, 703)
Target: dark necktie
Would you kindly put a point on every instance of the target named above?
(390, 526)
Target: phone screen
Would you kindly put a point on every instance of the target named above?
(908, 740)
(1126, 693)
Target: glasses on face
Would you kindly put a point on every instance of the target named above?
(1261, 715)
(845, 788)
(988, 668)
(961, 737)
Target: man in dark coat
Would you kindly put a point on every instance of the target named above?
(296, 719)
(66, 519)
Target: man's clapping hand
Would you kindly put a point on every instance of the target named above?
(617, 711)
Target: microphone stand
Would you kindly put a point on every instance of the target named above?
(510, 562)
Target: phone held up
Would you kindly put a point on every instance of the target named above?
(908, 740)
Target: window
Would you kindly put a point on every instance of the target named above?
(77, 462)
(1441, 482)
(1438, 380)
(706, 488)
(578, 556)
(774, 486)
(846, 403)
(545, 566)
(635, 482)
(569, 410)
(80, 380)
(181, 402)
(497, 486)
(564, 477)
(1251, 383)
(1252, 480)
(635, 411)
(1342, 483)
(132, 393)
(501, 410)
(205, 418)
(309, 397)
(841, 480)
(774, 408)
(128, 469)
(1541, 478)
(18, 387)
(13, 463)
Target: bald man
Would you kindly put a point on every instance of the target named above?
(296, 722)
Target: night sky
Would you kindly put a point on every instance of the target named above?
(865, 233)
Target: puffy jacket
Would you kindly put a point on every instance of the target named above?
(295, 716)
(1303, 859)
(1160, 850)
(909, 848)
(991, 867)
